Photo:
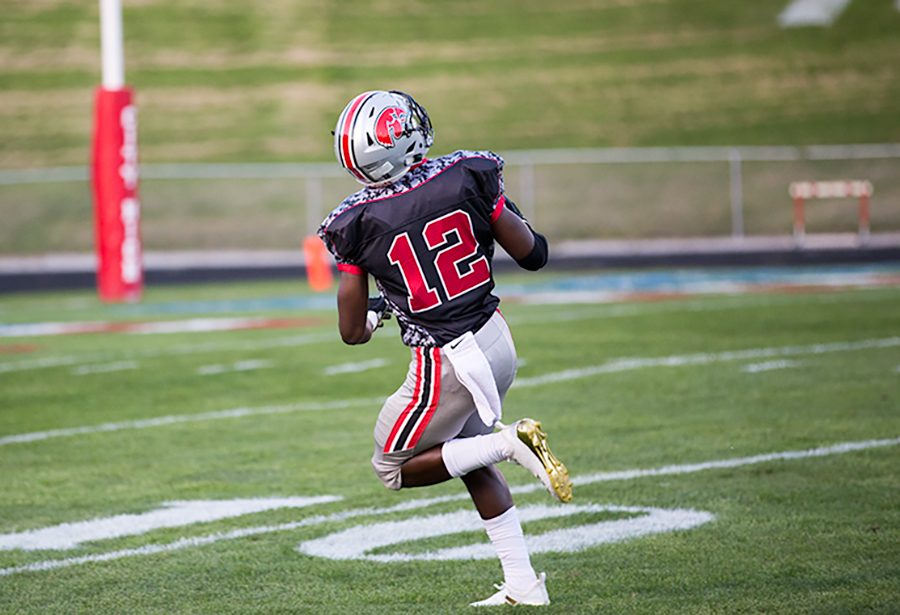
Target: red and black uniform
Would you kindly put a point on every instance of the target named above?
(427, 241)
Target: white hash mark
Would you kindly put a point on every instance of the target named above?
(755, 368)
(104, 368)
(239, 366)
(352, 368)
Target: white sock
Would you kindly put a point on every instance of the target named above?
(506, 535)
(463, 455)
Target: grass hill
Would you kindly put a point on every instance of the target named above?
(221, 80)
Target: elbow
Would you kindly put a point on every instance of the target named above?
(354, 339)
(353, 336)
(538, 256)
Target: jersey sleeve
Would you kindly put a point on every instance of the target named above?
(491, 180)
(486, 169)
(338, 234)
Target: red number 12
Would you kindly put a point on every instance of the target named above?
(437, 234)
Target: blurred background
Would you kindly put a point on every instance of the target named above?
(619, 119)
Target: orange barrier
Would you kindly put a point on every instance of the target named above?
(318, 264)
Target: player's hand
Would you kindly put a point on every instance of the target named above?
(377, 312)
(380, 307)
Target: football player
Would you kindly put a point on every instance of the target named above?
(425, 230)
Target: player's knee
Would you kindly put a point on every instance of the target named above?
(389, 475)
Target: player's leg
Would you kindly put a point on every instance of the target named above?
(521, 584)
(428, 432)
(524, 441)
(429, 408)
(426, 468)
(489, 491)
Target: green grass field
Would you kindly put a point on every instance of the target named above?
(697, 380)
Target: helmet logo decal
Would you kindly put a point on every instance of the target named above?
(389, 126)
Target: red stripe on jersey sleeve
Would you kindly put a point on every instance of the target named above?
(348, 268)
(498, 208)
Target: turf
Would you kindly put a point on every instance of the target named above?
(805, 535)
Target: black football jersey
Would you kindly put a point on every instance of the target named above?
(427, 241)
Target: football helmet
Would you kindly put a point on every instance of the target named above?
(381, 135)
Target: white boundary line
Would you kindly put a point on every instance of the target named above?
(614, 366)
(197, 541)
(215, 415)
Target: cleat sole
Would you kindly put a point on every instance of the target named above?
(534, 437)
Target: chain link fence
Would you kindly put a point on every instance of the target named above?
(617, 193)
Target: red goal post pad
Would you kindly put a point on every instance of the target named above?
(117, 209)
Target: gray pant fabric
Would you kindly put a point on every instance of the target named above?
(455, 415)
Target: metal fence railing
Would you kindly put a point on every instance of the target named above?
(571, 194)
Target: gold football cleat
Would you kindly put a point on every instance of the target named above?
(531, 451)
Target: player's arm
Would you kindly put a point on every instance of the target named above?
(528, 248)
(353, 302)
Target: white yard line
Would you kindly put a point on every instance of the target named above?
(613, 366)
(184, 543)
(628, 364)
(189, 418)
(737, 462)
(210, 347)
(575, 312)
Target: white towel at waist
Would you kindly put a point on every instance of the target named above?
(474, 372)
